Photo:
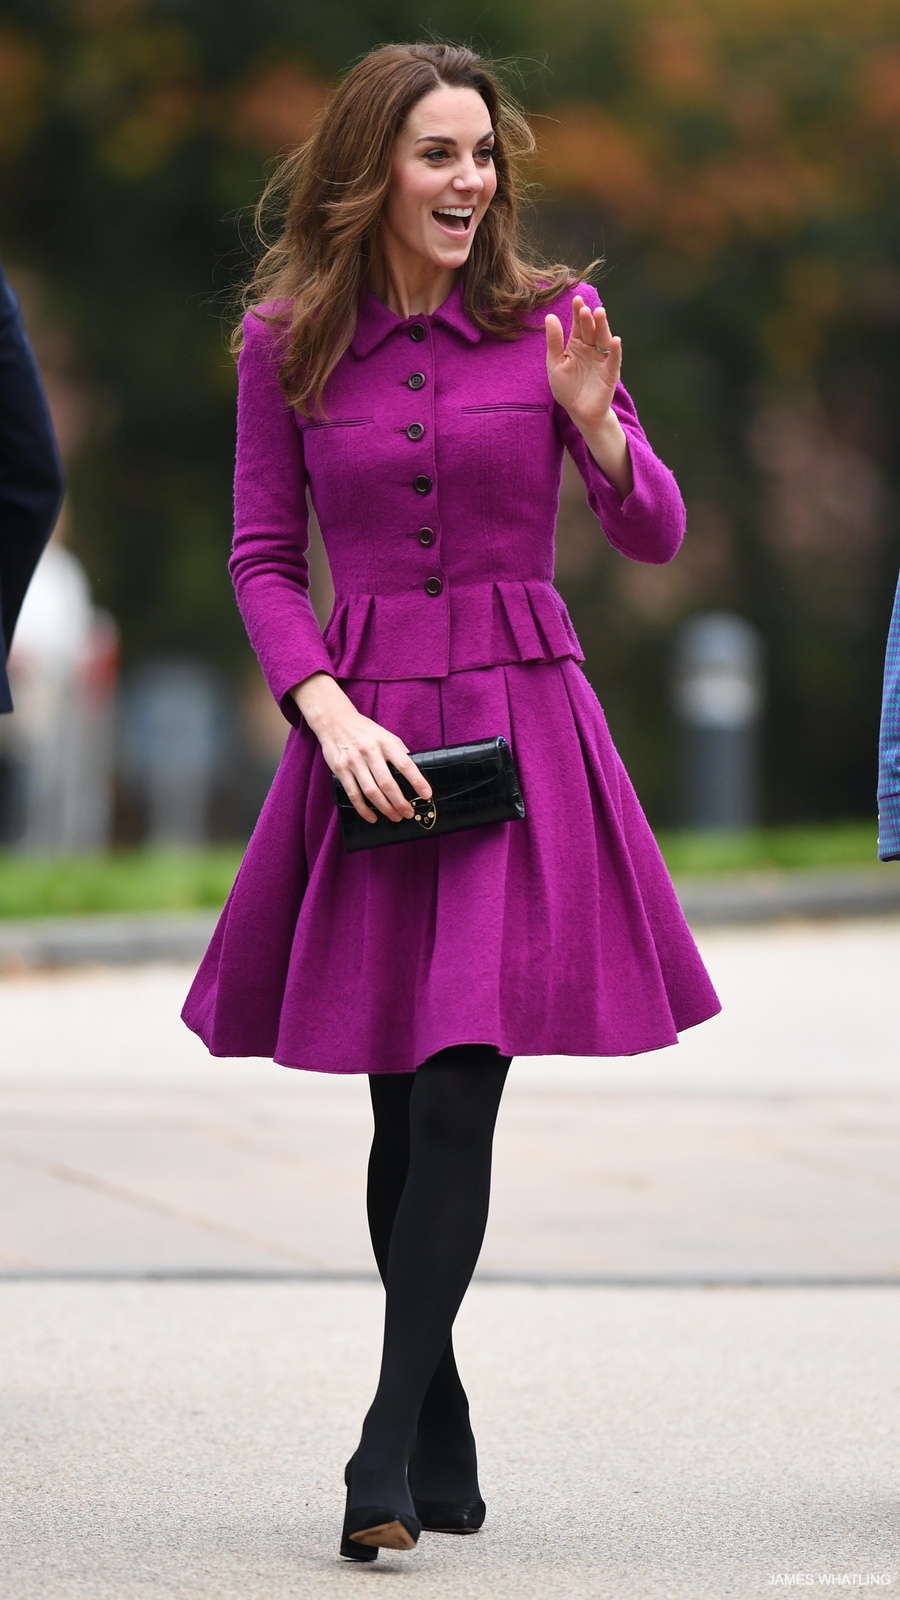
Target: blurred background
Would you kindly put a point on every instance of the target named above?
(736, 163)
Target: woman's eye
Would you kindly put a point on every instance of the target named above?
(431, 153)
(487, 152)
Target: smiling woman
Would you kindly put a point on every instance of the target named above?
(412, 131)
(393, 366)
(441, 187)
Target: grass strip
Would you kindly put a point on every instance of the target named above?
(127, 880)
(842, 844)
(189, 880)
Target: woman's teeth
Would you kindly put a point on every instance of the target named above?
(454, 215)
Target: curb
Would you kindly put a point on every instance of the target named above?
(124, 940)
(773, 896)
(714, 901)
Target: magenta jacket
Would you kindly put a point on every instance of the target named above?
(437, 501)
(435, 472)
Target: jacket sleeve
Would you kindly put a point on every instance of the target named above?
(889, 747)
(31, 483)
(269, 566)
(648, 525)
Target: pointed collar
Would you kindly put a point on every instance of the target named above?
(374, 320)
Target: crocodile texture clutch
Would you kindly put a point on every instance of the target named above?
(471, 784)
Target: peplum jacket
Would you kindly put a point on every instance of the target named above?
(434, 467)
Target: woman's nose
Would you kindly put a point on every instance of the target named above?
(470, 179)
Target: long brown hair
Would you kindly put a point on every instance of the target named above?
(329, 195)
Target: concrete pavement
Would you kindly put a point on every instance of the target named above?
(682, 1352)
(187, 1440)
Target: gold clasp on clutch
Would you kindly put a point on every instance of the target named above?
(425, 813)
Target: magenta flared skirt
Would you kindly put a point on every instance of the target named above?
(557, 935)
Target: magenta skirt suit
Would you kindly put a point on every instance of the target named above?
(435, 472)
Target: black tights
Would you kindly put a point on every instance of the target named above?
(428, 1192)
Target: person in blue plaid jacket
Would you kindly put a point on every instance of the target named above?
(889, 747)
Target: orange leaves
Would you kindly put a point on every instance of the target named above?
(582, 150)
(734, 119)
(136, 83)
(759, 187)
(23, 77)
(880, 89)
(141, 86)
(766, 192)
(277, 110)
(677, 59)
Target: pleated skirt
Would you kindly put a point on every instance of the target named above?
(557, 935)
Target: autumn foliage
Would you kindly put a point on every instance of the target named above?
(735, 160)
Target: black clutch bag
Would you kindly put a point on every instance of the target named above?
(471, 784)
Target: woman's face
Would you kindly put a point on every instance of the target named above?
(443, 178)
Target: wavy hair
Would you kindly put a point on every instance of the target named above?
(328, 196)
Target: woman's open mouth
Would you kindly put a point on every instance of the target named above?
(454, 219)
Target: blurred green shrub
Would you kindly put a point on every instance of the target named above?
(848, 844)
(139, 880)
(189, 880)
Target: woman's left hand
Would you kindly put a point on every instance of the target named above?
(583, 373)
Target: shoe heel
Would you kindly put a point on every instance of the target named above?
(351, 1549)
(376, 1528)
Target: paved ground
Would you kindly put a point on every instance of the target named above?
(707, 1404)
(187, 1440)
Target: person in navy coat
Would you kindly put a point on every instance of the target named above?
(31, 481)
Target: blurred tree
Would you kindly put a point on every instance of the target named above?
(137, 136)
(737, 161)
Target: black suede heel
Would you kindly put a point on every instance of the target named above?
(450, 1516)
(349, 1547)
(368, 1529)
(352, 1551)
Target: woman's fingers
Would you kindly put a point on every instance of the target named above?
(590, 330)
(390, 788)
(356, 797)
(583, 322)
(371, 786)
(360, 753)
(405, 764)
(556, 344)
(594, 329)
(379, 790)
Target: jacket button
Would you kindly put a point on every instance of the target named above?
(416, 380)
(422, 483)
(415, 430)
(433, 585)
(426, 536)
(417, 332)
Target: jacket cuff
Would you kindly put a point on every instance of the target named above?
(889, 827)
(648, 525)
(290, 673)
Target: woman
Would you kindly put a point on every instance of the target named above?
(422, 381)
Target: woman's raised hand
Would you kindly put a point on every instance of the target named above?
(583, 373)
(358, 750)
